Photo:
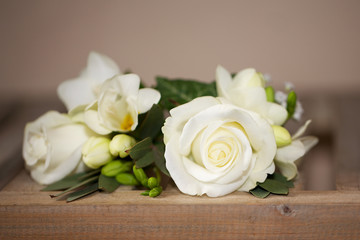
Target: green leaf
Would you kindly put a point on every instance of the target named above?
(179, 91)
(108, 184)
(65, 183)
(259, 192)
(81, 184)
(158, 153)
(140, 149)
(150, 124)
(146, 160)
(279, 177)
(291, 104)
(274, 186)
(83, 192)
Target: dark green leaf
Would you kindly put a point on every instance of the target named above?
(81, 184)
(150, 124)
(259, 192)
(282, 179)
(179, 91)
(65, 182)
(83, 192)
(108, 184)
(140, 149)
(158, 153)
(274, 186)
(146, 160)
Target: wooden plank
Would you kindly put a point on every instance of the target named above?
(25, 212)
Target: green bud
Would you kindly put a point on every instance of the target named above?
(282, 136)
(155, 191)
(113, 168)
(120, 144)
(140, 175)
(146, 193)
(270, 94)
(291, 103)
(126, 179)
(96, 152)
(152, 183)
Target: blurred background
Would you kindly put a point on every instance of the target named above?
(313, 44)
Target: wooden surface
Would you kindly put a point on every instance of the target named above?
(333, 213)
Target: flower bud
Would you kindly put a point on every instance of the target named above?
(155, 191)
(126, 179)
(140, 176)
(120, 144)
(152, 183)
(113, 168)
(96, 152)
(270, 94)
(282, 136)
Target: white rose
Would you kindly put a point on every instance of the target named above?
(247, 91)
(119, 104)
(52, 147)
(286, 157)
(85, 89)
(216, 148)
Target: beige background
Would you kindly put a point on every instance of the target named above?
(314, 44)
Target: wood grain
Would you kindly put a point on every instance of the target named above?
(25, 212)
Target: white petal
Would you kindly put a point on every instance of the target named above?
(301, 130)
(99, 68)
(56, 173)
(290, 153)
(223, 81)
(146, 98)
(288, 169)
(93, 122)
(243, 78)
(309, 142)
(75, 92)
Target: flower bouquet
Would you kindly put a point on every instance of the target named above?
(209, 138)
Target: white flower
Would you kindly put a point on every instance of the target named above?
(215, 148)
(247, 91)
(85, 89)
(119, 104)
(96, 152)
(286, 157)
(52, 147)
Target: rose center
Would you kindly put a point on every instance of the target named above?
(218, 152)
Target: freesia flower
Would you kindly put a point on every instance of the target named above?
(52, 147)
(119, 103)
(215, 148)
(287, 156)
(246, 90)
(85, 89)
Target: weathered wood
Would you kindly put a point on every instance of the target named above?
(25, 212)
